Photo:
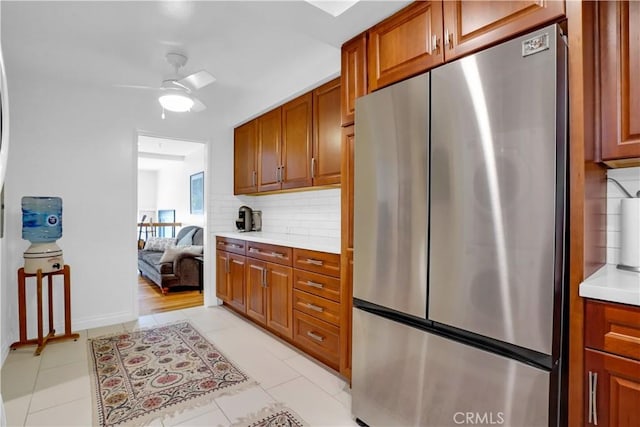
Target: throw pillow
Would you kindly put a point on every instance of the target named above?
(187, 239)
(172, 252)
(159, 243)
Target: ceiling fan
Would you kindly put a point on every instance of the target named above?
(176, 91)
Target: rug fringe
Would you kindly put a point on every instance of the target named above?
(268, 411)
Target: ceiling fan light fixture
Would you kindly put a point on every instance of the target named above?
(176, 102)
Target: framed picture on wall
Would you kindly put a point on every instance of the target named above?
(196, 193)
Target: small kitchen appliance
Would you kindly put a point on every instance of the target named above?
(245, 219)
(256, 217)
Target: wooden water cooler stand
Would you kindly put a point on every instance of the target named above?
(42, 340)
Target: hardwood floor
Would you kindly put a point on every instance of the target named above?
(151, 300)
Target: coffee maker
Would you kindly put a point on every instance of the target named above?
(245, 219)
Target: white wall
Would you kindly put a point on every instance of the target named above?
(147, 190)
(79, 143)
(172, 191)
(630, 180)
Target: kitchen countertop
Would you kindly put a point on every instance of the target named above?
(613, 285)
(322, 244)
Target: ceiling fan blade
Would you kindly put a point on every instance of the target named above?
(197, 105)
(198, 80)
(135, 87)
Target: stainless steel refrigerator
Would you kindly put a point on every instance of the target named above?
(459, 248)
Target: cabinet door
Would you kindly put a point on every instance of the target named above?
(620, 79)
(325, 165)
(245, 159)
(405, 44)
(615, 382)
(269, 139)
(222, 271)
(256, 291)
(279, 299)
(296, 142)
(472, 25)
(353, 77)
(237, 284)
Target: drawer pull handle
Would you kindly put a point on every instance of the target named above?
(277, 254)
(233, 245)
(315, 336)
(315, 307)
(315, 262)
(254, 250)
(314, 284)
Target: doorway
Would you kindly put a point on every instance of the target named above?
(165, 219)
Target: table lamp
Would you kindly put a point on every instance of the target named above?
(42, 226)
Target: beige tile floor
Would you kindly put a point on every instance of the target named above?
(54, 389)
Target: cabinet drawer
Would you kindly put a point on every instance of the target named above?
(230, 245)
(272, 253)
(319, 338)
(317, 284)
(613, 328)
(318, 262)
(320, 308)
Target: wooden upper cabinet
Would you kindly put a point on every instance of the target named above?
(405, 44)
(295, 169)
(620, 80)
(245, 158)
(472, 25)
(353, 78)
(269, 157)
(325, 164)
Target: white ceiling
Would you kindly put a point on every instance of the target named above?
(246, 45)
(155, 153)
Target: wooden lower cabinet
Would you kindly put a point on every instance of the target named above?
(256, 291)
(236, 279)
(614, 385)
(612, 364)
(294, 293)
(279, 286)
(319, 338)
(222, 284)
(269, 299)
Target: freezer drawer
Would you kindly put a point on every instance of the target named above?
(403, 376)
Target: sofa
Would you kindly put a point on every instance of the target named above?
(170, 262)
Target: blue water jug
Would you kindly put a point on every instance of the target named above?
(41, 219)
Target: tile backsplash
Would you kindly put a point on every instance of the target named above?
(309, 213)
(630, 180)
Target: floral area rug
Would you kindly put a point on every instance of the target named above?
(143, 375)
(277, 415)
